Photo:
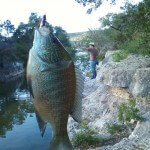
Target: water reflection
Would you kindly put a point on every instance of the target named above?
(18, 121)
(8, 89)
(12, 112)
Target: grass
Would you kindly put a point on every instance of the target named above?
(114, 128)
(100, 57)
(117, 56)
(128, 111)
(148, 98)
(86, 137)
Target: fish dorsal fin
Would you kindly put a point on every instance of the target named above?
(66, 55)
(77, 107)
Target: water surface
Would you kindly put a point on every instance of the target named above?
(20, 126)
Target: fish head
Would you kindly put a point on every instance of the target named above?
(46, 46)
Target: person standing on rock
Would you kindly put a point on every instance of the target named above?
(93, 58)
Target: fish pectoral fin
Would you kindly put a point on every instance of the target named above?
(60, 65)
(76, 111)
(66, 64)
(47, 69)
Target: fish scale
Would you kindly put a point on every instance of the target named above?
(55, 85)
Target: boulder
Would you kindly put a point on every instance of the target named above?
(141, 82)
(138, 140)
(132, 73)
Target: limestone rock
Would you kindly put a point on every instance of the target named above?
(132, 73)
(99, 107)
(141, 84)
(138, 140)
(120, 92)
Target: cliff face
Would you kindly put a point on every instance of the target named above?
(117, 83)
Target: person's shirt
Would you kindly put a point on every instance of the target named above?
(93, 53)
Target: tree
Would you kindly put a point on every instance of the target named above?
(94, 4)
(6, 48)
(64, 39)
(24, 34)
(23, 37)
(6, 29)
(62, 36)
(134, 27)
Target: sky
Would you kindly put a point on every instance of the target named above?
(68, 14)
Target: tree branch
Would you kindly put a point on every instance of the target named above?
(115, 28)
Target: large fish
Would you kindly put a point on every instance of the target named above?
(55, 85)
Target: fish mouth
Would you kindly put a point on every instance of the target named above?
(44, 31)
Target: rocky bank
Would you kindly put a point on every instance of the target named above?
(117, 83)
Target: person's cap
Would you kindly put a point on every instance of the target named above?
(91, 43)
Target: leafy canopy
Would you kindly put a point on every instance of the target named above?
(21, 39)
(94, 4)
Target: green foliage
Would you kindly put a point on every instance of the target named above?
(6, 28)
(22, 37)
(103, 39)
(93, 4)
(117, 56)
(86, 137)
(114, 128)
(64, 39)
(100, 57)
(133, 26)
(148, 98)
(128, 111)
(62, 36)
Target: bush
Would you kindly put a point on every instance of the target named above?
(114, 128)
(128, 112)
(137, 46)
(117, 56)
(100, 57)
(86, 137)
(148, 98)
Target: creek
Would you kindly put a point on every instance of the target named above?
(19, 124)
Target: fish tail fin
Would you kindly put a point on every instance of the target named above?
(61, 143)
